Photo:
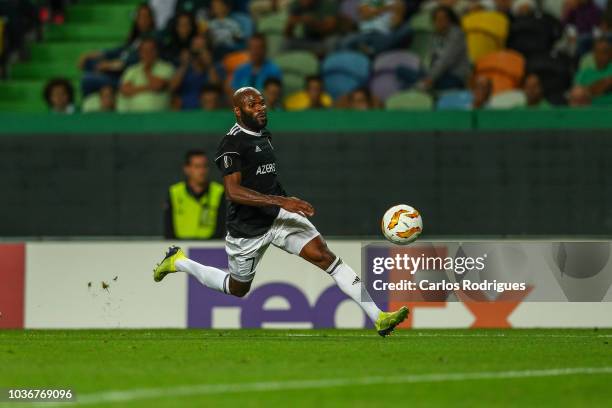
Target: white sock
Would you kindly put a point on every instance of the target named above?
(207, 275)
(348, 281)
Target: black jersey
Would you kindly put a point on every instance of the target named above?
(251, 154)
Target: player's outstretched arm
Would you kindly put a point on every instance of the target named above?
(237, 193)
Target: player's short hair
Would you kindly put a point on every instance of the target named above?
(193, 153)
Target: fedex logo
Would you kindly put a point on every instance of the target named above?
(203, 301)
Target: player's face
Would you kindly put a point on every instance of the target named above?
(253, 112)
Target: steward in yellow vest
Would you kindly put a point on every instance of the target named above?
(196, 206)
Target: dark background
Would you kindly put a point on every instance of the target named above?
(465, 183)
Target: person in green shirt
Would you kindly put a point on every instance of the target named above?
(195, 207)
(145, 86)
(598, 79)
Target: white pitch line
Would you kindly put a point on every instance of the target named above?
(109, 397)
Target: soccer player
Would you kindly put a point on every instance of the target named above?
(260, 213)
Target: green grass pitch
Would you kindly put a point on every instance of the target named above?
(306, 368)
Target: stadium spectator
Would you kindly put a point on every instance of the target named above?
(582, 15)
(532, 87)
(532, 33)
(378, 27)
(482, 88)
(450, 65)
(579, 96)
(144, 86)
(196, 70)
(360, 99)
(598, 79)
(211, 97)
(182, 33)
(259, 68)
(59, 96)
(105, 67)
(225, 32)
(18, 19)
(195, 207)
(312, 97)
(319, 21)
(273, 94)
(102, 101)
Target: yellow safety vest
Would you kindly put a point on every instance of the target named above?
(193, 218)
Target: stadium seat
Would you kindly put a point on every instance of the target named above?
(486, 32)
(384, 80)
(275, 44)
(508, 100)
(246, 23)
(295, 66)
(273, 23)
(100, 13)
(89, 32)
(345, 71)
(409, 100)
(233, 60)
(455, 100)
(23, 95)
(504, 68)
(422, 32)
(45, 70)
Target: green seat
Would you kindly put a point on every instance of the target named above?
(421, 36)
(409, 100)
(68, 52)
(292, 83)
(298, 62)
(272, 23)
(45, 70)
(295, 66)
(22, 96)
(275, 44)
(101, 13)
(116, 32)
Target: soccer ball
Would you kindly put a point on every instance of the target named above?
(401, 224)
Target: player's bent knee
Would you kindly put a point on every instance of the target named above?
(239, 289)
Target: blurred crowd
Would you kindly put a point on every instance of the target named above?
(351, 54)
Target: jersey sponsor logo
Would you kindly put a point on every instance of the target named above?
(257, 149)
(266, 169)
(227, 161)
